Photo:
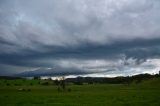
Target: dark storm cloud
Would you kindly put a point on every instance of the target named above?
(39, 33)
(138, 49)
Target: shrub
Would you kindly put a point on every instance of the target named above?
(45, 83)
(69, 89)
(28, 89)
(8, 84)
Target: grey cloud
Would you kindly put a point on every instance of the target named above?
(70, 22)
(12, 69)
(36, 33)
(141, 50)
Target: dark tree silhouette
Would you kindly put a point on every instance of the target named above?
(63, 84)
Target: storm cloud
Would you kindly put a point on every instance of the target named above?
(84, 36)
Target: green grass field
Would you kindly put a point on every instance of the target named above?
(147, 93)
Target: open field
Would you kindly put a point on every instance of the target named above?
(147, 93)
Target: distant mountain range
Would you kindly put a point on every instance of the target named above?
(52, 72)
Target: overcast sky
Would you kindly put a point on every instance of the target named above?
(73, 37)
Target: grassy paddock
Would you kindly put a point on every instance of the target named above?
(147, 93)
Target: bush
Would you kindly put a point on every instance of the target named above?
(45, 83)
(28, 89)
(17, 84)
(69, 89)
(78, 83)
(8, 84)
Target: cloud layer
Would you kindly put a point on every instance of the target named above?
(79, 33)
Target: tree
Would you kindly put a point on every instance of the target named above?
(63, 84)
(37, 78)
(56, 82)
